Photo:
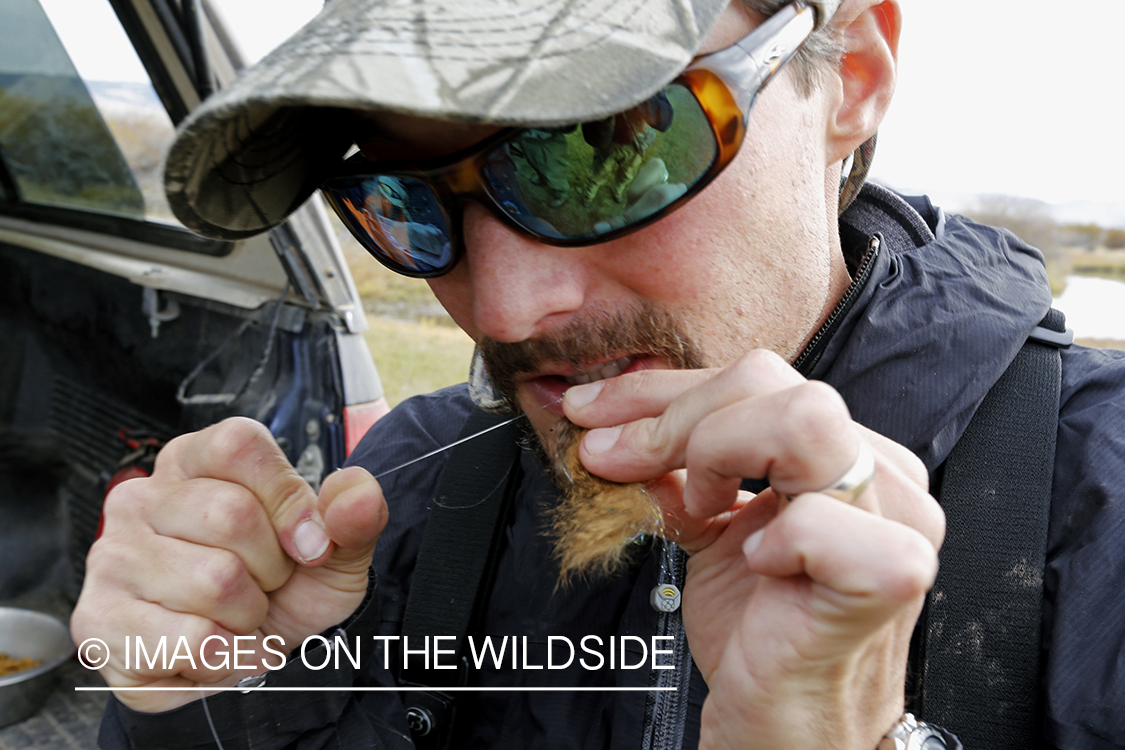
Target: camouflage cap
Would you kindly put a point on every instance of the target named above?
(256, 150)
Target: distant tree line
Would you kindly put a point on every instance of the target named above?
(1093, 236)
(1031, 221)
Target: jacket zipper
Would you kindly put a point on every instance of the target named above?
(666, 710)
(842, 306)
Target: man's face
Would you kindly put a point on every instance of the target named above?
(751, 262)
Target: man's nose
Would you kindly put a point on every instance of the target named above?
(520, 288)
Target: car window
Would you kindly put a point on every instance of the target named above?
(81, 127)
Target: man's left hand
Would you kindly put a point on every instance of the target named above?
(798, 607)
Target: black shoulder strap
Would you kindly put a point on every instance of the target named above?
(455, 567)
(981, 627)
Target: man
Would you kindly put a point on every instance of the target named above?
(683, 345)
(620, 144)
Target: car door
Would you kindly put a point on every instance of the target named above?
(119, 328)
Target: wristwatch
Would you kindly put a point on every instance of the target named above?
(911, 734)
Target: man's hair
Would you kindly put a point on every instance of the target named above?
(823, 50)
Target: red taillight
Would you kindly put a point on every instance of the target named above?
(129, 472)
(358, 419)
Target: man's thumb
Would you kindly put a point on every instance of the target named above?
(354, 512)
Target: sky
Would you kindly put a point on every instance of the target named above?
(989, 100)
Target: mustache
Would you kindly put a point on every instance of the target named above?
(597, 522)
(595, 337)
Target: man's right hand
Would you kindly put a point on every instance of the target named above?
(226, 539)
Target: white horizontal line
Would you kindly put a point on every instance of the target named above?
(386, 689)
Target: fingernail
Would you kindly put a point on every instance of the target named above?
(578, 396)
(601, 440)
(310, 540)
(752, 542)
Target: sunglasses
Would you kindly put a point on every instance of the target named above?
(575, 185)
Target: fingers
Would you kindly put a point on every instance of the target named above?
(244, 452)
(800, 439)
(245, 497)
(813, 578)
(211, 583)
(872, 560)
(901, 486)
(168, 649)
(643, 421)
(757, 418)
(152, 624)
(647, 393)
(186, 525)
(352, 505)
(651, 393)
(207, 545)
(226, 512)
(153, 590)
(355, 513)
(221, 515)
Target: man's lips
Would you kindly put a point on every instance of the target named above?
(549, 387)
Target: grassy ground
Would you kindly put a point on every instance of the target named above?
(1107, 263)
(417, 357)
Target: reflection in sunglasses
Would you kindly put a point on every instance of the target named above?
(607, 174)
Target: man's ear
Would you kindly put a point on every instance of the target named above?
(869, 30)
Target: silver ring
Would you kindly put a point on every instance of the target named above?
(856, 479)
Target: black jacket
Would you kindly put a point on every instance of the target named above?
(926, 329)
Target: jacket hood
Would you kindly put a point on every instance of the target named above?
(938, 319)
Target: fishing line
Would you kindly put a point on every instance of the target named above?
(210, 723)
(474, 436)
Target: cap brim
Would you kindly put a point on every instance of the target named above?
(256, 150)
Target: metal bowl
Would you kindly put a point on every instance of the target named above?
(24, 633)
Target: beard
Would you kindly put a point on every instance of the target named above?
(596, 521)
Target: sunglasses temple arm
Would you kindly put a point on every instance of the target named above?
(750, 64)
